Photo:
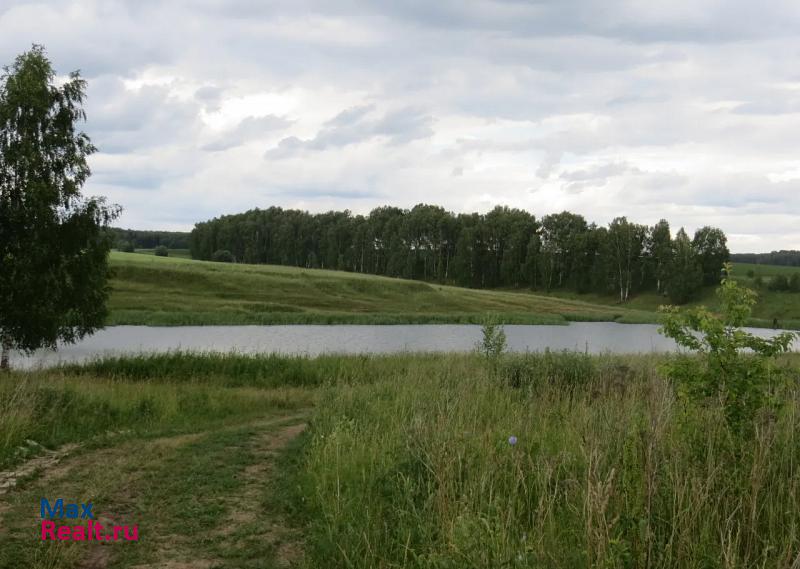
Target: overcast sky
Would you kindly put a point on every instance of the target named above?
(683, 109)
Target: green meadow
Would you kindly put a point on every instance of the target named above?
(175, 291)
(404, 461)
(178, 291)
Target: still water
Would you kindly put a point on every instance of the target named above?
(593, 337)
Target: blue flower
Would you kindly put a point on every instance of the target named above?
(512, 440)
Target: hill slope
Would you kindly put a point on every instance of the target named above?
(783, 306)
(174, 291)
(169, 291)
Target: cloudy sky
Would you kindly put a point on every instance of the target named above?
(682, 109)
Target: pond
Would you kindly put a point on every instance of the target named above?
(591, 337)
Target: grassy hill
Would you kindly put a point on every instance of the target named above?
(785, 306)
(174, 291)
(178, 291)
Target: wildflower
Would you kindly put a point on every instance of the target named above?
(512, 440)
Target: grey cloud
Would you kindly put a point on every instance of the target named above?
(122, 120)
(210, 96)
(140, 179)
(356, 125)
(725, 192)
(600, 172)
(209, 93)
(350, 117)
(770, 106)
(350, 194)
(404, 125)
(251, 128)
(657, 20)
(551, 160)
(595, 176)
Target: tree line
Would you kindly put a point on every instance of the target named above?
(786, 258)
(505, 247)
(130, 239)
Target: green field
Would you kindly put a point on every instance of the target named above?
(172, 291)
(235, 462)
(178, 291)
(783, 306)
(765, 270)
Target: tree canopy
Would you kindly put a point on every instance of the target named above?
(53, 242)
(505, 247)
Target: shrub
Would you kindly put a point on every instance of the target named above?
(161, 251)
(223, 256)
(738, 379)
(126, 247)
(493, 341)
(779, 283)
(794, 283)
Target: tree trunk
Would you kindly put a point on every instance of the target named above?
(4, 353)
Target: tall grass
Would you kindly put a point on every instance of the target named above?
(261, 370)
(53, 408)
(610, 469)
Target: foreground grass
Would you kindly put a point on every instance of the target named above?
(610, 469)
(171, 291)
(406, 462)
(184, 456)
(53, 408)
(197, 501)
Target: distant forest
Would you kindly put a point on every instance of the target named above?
(130, 239)
(503, 248)
(785, 258)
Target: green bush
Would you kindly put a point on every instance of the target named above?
(794, 282)
(161, 251)
(779, 283)
(735, 366)
(493, 339)
(223, 256)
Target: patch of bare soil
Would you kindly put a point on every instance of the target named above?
(46, 461)
(97, 558)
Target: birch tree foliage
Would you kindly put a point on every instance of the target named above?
(53, 241)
